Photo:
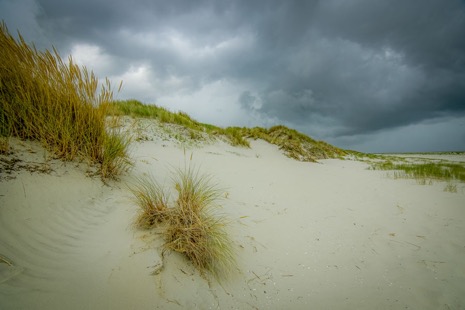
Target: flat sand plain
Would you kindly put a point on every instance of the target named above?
(327, 235)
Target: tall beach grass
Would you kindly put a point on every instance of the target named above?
(44, 98)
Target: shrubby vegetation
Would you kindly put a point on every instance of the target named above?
(55, 102)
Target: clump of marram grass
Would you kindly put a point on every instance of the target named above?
(191, 224)
(55, 102)
(194, 229)
(153, 200)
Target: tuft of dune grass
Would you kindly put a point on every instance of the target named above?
(192, 224)
(152, 200)
(44, 98)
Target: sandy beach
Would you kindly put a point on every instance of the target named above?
(327, 235)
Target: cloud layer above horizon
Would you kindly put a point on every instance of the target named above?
(376, 76)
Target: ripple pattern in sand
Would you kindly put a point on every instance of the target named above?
(46, 237)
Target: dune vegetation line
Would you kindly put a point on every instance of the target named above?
(294, 144)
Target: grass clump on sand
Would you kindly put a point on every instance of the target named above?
(152, 199)
(191, 223)
(56, 103)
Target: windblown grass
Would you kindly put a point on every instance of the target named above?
(46, 99)
(192, 225)
(153, 200)
(195, 229)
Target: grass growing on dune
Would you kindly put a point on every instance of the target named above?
(136, 108)
(55, 102)
(152, 200)
(294, 144)
(195, 229)
(191, 223)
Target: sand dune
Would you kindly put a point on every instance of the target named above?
(328, 235)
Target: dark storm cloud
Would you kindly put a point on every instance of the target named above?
(332, 68)
(373, 64)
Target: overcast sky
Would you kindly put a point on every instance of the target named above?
(370, 75)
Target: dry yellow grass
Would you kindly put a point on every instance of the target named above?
(152, 200)
(192, 225)
(55, 102)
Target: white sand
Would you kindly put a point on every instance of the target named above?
(331, 235)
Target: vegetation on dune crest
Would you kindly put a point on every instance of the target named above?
(136, 108)
(46, 99)
(295, 144)
(191, 223)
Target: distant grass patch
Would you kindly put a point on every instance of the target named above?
(422, 171)
(55, 102)
(191, 223)
(295, 144)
